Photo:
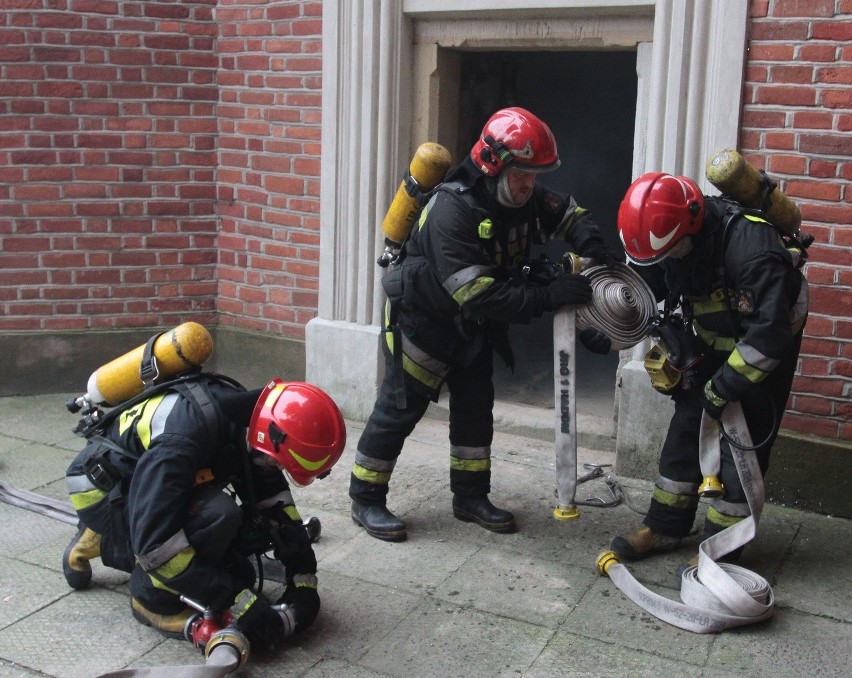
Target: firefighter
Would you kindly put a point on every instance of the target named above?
(739, 285)
(168, 521)
(458, 282)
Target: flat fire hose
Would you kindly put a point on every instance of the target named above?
(621, 307)
(52, 508)
(225, 657)
(716, 596)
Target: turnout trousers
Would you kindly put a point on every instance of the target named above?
(471, 400)
(213, 521)
(674, 502)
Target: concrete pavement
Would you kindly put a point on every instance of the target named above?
(453, 600)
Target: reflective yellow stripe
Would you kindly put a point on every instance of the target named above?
(706, 307)
(713, 340)
(470, 464)
(721, 519)
(176, 565)
(421, 373)
(160, 585)
(681, 501)
(753, 374)
(469, 290)
(142, 415)
(83, 500)
(372, 477)
(292, 513)
(752, 217)
(243, 602)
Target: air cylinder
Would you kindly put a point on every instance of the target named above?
(734, 176)
(185, 347)
(428, 167)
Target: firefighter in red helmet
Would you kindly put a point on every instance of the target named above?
(156, 493)
(455, 288)
(733, 291)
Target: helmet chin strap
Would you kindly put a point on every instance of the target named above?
(504, 195)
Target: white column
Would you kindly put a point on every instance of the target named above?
(366, 67)
(693, 84)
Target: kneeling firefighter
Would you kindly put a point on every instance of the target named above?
(460, 278)
(735, 307)
(156, 491)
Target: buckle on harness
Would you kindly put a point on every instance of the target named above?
(100, 473)
(149, 371)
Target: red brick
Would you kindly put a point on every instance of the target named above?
(837, 98)
(822, 169)
(794, 31)
(788, 164)
(770, 52)
(786, 96)
(817, 190)
(791, 74)
(835, 75)
(840, 31)
(826, 144)
(813, 120)
(780, 140)
(817, 52)
(803, 8)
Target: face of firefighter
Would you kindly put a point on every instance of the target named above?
(515, 187)
(680, 250)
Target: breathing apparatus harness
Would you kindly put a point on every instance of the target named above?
(798, 241)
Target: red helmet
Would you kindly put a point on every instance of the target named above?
(657, 212)
(515, 135)
(300, 427)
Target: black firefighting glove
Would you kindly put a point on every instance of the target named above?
(302, 598)
(596, 341)
(567, 289)
(600, 252)
(711, 401)
(255, 617)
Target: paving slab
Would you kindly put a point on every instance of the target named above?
(454, 600)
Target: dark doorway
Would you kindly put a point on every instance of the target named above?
(589, 101)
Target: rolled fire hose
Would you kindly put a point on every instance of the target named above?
(622, 305)
(716, 596)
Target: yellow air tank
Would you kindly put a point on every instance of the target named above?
(428, 167)
(185, 347)
(734, 176)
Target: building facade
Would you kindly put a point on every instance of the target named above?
(229, 162)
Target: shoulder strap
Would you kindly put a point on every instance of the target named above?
(201, 398)
(103, 423)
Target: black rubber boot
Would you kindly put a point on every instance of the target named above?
(378, 521)
(481, 511)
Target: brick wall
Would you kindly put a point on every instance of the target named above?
(117, 115)
(270, 107)
(107, 163)
(797, 125)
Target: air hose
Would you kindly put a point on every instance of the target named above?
(716, 596)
